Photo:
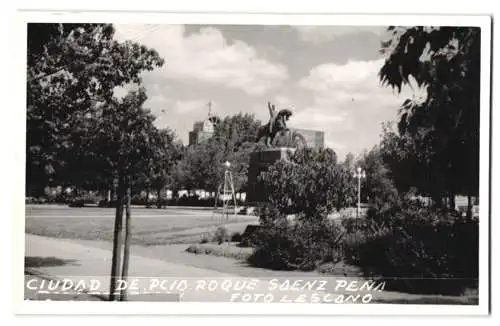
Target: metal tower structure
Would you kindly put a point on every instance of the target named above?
(228, 196)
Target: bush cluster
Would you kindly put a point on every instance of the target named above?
(413, 247)
(418, 250)
(304, 245)
(219, 251)
(221, 235)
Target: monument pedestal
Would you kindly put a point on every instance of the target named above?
(259, 162)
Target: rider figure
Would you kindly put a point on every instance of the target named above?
(272, 119)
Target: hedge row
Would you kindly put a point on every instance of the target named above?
(417, 249)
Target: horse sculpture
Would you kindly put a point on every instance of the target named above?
(275, 132)
(276, 124)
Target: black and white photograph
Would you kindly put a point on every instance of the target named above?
(278, 161)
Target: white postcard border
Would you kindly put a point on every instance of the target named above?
(52, 307)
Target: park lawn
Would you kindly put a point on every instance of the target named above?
(150, 231)
(149, 227)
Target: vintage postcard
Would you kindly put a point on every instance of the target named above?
(253, 164)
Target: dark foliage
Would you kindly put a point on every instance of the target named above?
(304, 245)
(417, 249)
(310, 182)
(442, 128)
(235, 237)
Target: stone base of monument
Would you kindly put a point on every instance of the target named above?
(260, 162)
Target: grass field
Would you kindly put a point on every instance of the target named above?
(149, 226)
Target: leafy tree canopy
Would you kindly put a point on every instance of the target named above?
(310, 183)
(233, 140)
(443, 128)
(72, 72)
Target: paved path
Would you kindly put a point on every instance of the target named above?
(84, 267)
(65, 260)
(157, 280)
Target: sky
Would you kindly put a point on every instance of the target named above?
(327, 76)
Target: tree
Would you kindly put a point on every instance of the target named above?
(349, 161)
(75, 127)
(310, 183)
(73, 70)
(166, 154)
(406, 167)
(233, 140)
(378, 187)
(124, 141)
(445, 126)
(178, 176)
(198, 168)
(235, 137)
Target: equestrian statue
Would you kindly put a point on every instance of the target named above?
(276, 133)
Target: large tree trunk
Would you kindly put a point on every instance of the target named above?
(128, 238)
(452, 201)
(148, 192)
(469, 206)
(158, 198)
(117, 243)
(437, 200)
(175, 197)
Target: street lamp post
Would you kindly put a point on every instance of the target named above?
(359, 174)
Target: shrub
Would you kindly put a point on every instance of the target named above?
(309, 185)
(304, 245)
(195, 201)
(310, 182)
(79, 202)
(205, 237)
(107, 204)
(250, 235)
(221, 235)
(354, 224)
(418, 250)
(340, 268)
(236, 237)
(219, 251)
(63, 198)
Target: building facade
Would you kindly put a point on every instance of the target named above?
(314, 138)
(202, 130)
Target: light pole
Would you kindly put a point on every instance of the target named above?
(359, 174)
